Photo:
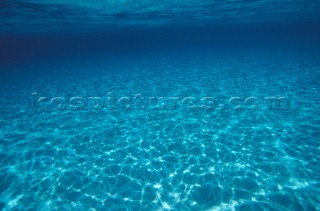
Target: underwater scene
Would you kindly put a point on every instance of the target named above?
(160, 105)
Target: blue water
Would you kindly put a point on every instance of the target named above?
(159, 105)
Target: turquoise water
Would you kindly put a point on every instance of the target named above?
(149, 105)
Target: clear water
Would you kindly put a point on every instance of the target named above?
(159, 105)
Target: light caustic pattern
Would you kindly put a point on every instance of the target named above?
(172, 159)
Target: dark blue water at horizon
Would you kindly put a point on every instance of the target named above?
(159, 105)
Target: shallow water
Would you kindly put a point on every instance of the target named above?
(196, 107)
